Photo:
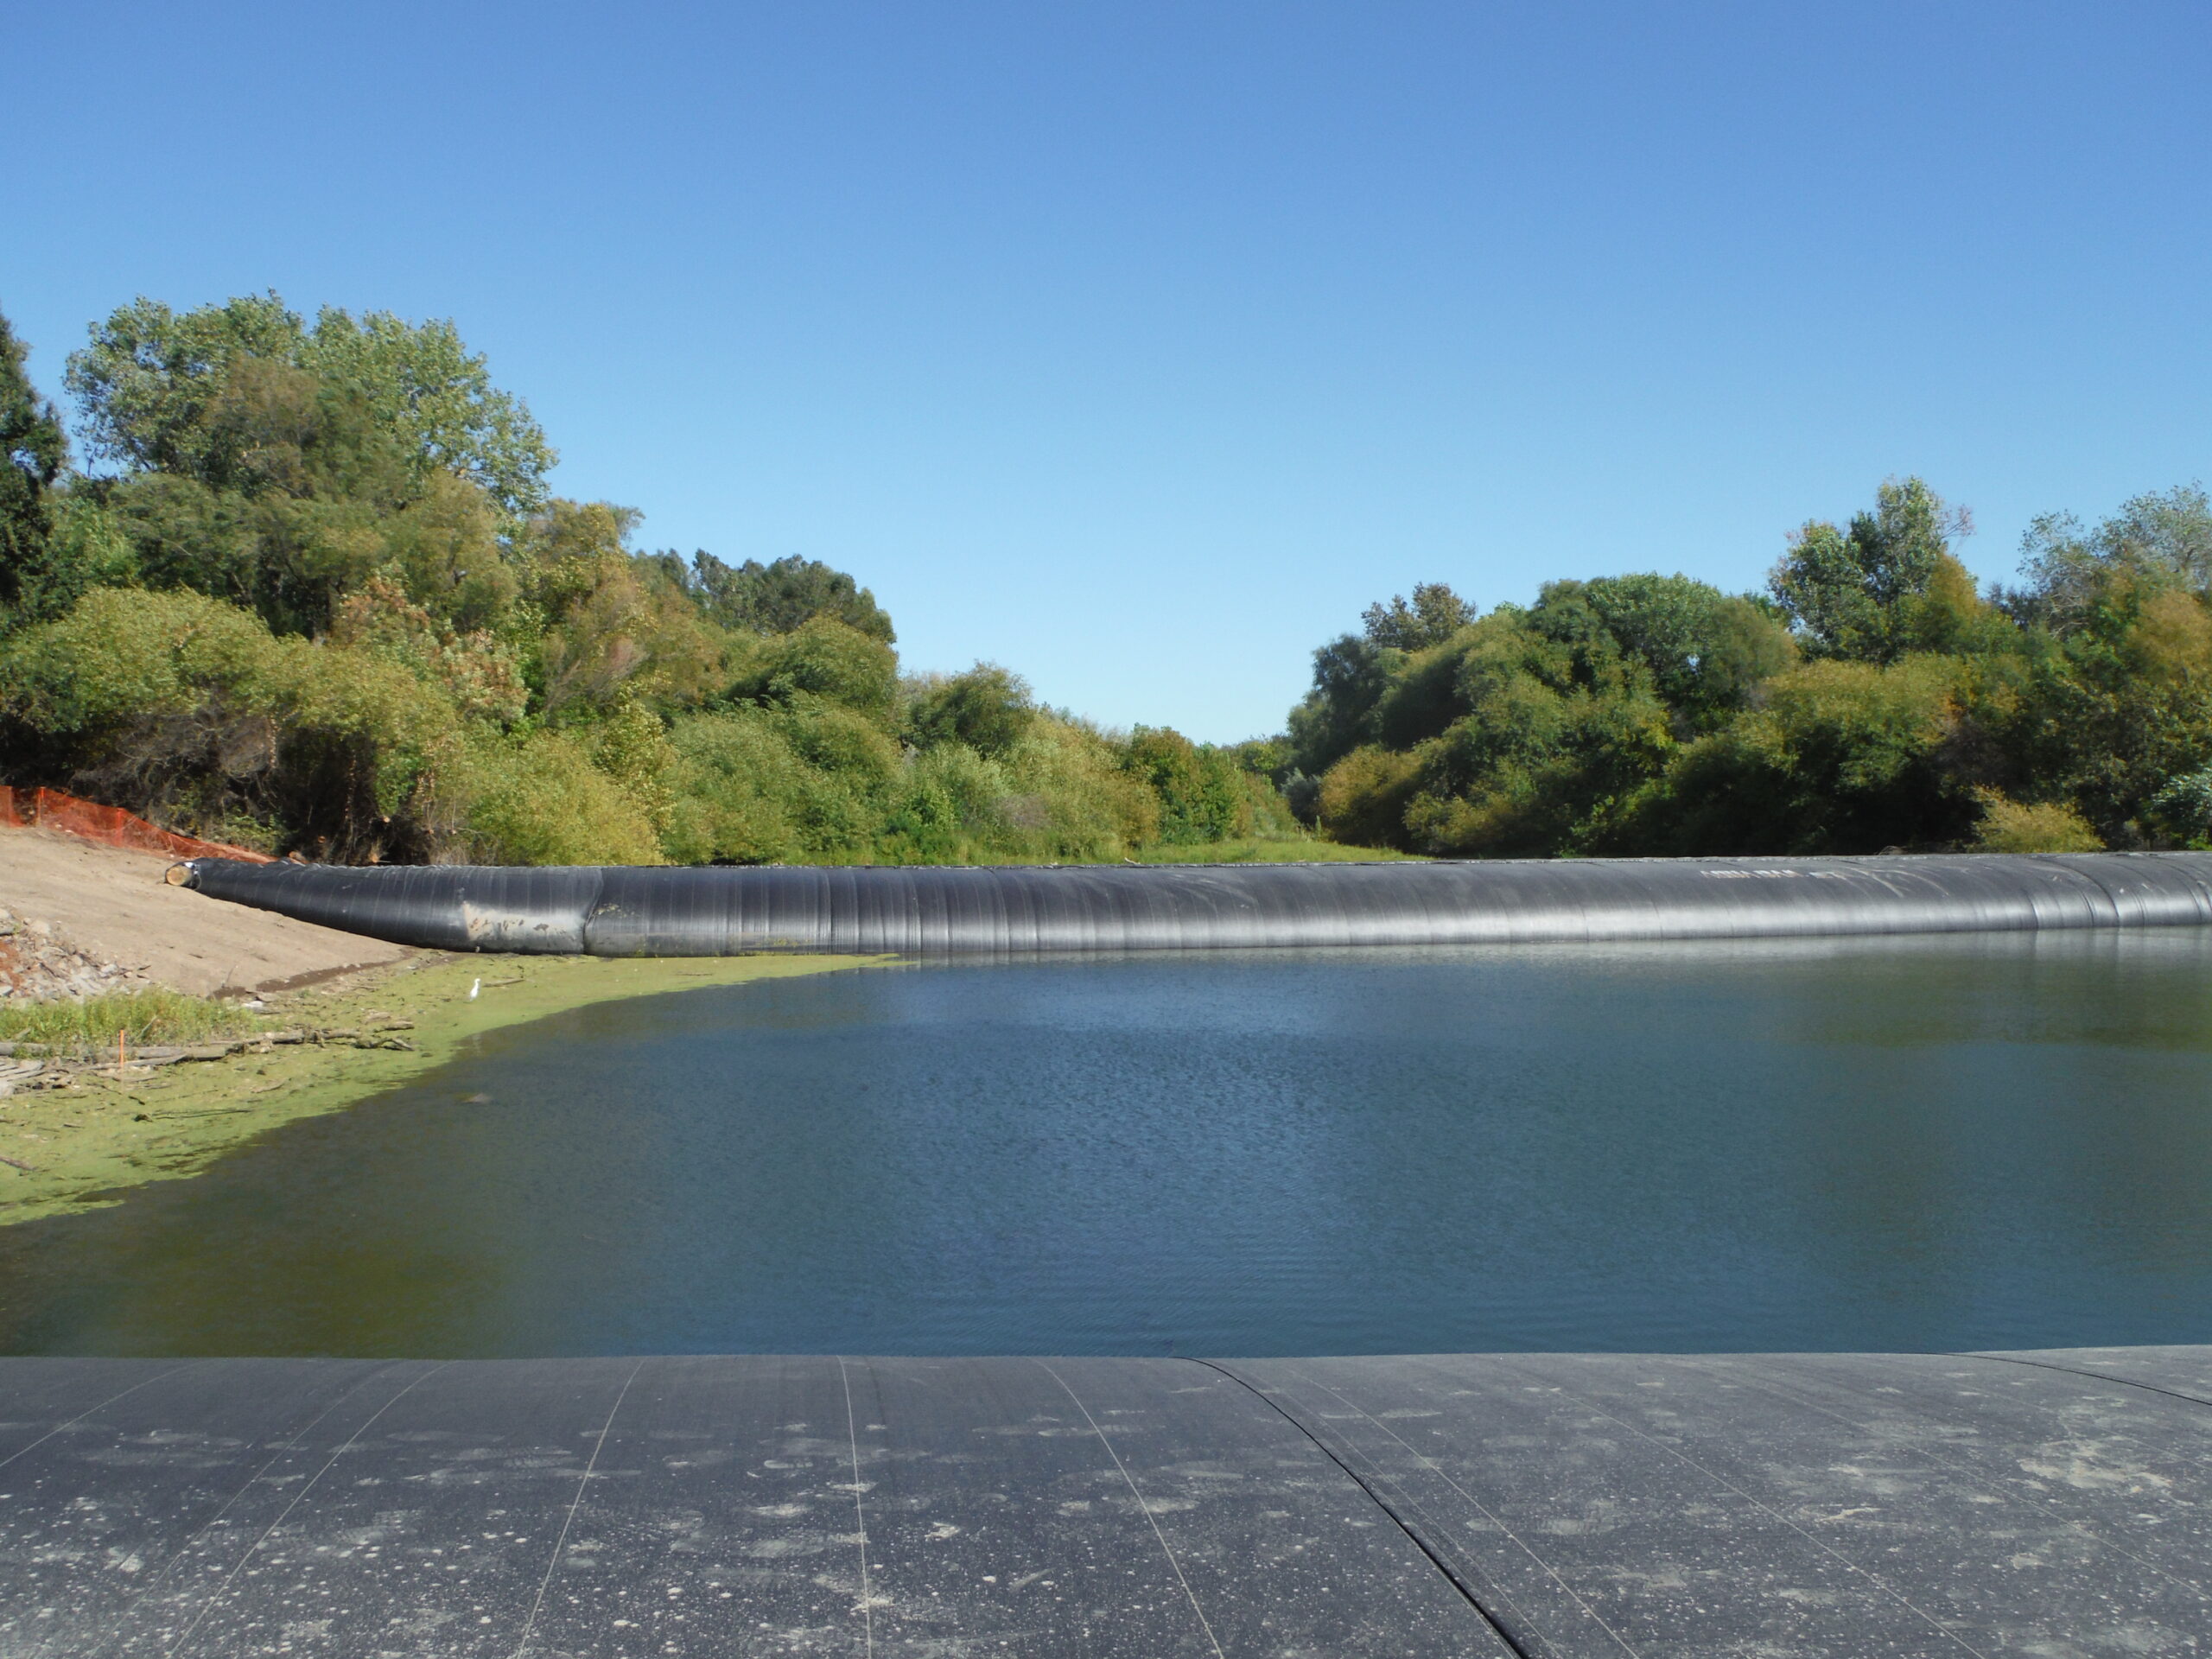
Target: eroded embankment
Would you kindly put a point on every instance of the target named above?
(79, 1145)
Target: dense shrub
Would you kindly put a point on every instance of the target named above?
(189, 710)
(2009, 826)
(536, 798)
(987, 709)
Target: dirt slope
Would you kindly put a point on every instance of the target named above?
(114, 905)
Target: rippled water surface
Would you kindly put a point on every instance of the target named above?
(1929, 1144)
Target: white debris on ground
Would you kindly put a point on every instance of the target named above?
(39, 962)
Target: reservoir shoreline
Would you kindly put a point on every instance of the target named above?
(86, 1145)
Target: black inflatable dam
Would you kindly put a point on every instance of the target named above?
(938, 911)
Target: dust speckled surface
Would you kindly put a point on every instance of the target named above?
(1904, 1504)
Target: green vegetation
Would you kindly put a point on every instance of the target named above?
(1872, 698)
(1306, 849)
(141, 1019)
(320, 600)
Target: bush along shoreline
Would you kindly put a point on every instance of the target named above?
(310, 593)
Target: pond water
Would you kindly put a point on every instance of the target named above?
(1917, 1144)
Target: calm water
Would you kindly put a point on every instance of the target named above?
(1917, 1145)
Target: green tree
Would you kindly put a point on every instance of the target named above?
(1840, 757)
(185, 393)
(33, 451)
(1200, 789)
(1707, 651)
(988, 708)
(2162, 537)
(778, 598)
(1351, 675)
(1846, 591)
(822, 661)
(1435, 614)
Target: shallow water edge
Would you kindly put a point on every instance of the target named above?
(88, 1145)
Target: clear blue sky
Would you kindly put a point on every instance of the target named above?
(1139, 346)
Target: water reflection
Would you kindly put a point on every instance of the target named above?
(1936, 1143)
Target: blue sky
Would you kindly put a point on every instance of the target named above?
(1139, 346)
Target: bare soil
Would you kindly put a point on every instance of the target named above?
(115, 906)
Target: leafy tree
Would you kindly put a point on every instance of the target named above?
(1846, 591)
(1362, 799)
(821, 661)
(436, 395)
(1351, 675)
(2120, 705)
(778, 598)
(1201, 795)
(33, 451)
(987, 708)
(2160, 537)
(1706, 650)
(603, 625)
(1435, 614)
(1840, 757)
(191, 711)
(186, 392)
(146, 384)
(1354, 673)
(1559, 724)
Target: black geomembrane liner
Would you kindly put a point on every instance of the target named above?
(938, 911)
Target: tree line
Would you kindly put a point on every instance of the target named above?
(1871, 698)
(314, 595)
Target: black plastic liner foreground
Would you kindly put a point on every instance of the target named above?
(938, 911)
(1455, 1506)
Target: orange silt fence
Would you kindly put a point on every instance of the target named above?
(110, 826)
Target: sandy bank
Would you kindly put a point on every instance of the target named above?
(75, 1147)
(115, 904)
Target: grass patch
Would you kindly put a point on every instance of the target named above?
(139, 1018)
(1301, 851)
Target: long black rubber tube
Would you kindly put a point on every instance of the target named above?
(938, 911)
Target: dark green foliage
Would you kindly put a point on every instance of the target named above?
(196, 393)
(1435, 614)
(1842, 758)
(821, 661)
(987, 708)
(1202, 795)
(1351, 676)
(32, 454)
(778, 598)
(1706, 651)
(1847, 591)
(1653, 715)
